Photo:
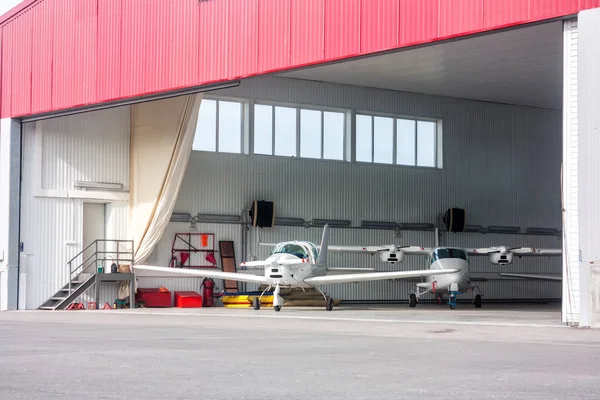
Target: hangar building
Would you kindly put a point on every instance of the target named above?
(153, 121)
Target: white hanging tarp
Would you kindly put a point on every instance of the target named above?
(162, 134)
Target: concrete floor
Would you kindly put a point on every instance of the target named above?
(517, 352)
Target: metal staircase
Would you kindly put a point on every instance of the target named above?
(81, 274)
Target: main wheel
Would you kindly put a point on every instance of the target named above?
(477, 301)
(329, 304)
(452, 306)
(256, 303)
(413, 300)
(277, 308)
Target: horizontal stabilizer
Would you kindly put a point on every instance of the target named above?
(375, 276)
(531, 276)
(278, 262)
(376, 249)
(205, 273)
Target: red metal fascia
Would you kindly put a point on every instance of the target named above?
(107, 50)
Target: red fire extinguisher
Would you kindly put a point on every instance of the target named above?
(208, 286)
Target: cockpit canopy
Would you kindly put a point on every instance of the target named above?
(444, 252)
(298, 249)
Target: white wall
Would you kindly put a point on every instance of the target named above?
(56, 153)
(501, 163)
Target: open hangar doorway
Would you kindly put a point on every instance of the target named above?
(324, 144)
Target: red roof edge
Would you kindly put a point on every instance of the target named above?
(17, 9)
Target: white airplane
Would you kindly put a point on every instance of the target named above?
(451, 258)
(298, 264)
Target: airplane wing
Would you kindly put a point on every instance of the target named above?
(375, 276)
(375, 249)
(519, 251)
(206, 273)
(531, 276)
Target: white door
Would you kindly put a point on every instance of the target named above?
(93, 229)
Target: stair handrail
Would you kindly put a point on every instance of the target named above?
(73, 271)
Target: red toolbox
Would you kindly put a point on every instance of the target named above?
(153, 297)
(188, 300)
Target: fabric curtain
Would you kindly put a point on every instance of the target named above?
(162, 134)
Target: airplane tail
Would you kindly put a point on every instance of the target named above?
(324, 243)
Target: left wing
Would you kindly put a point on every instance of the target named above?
(206, 273)
(375, 276)
(530, 276)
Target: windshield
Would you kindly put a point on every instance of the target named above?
(438, 254)
(290, 248)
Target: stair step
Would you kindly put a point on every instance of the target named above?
(57, 298)
(47, 308)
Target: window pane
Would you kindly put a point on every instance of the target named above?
(263, 129)
(230, 127)
(363, 138)
(205, 138)
(384, 140)
(310, 133)
(333, 142)
(426, 144)
(405, 141)
(285, 131)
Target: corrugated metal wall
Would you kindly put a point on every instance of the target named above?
(91, 147)
(588, 86)
(501, 163)
(101, 50)
(571, 259)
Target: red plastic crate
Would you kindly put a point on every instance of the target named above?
(188, 300)
(152, 297)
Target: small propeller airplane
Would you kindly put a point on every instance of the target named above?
(299, 264)
(451, 258)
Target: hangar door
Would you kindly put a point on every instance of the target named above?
(570, 178)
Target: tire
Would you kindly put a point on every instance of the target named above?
(277, 308)
(256, 303)
(477, 301)
(329, 304)
(413, 300)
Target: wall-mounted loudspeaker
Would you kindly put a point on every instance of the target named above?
(262, 214)
(454, 219)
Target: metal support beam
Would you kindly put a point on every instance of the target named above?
(10, 209)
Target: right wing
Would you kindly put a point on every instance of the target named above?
(530, 276)
(206, 273)
(376, 276)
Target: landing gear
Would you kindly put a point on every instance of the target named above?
(277, 301)
(413, 300)
(329, 304)
(477, 301)
(452, 300)
(256, 303)
(328, 300)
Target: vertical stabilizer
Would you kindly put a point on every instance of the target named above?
(324, 243)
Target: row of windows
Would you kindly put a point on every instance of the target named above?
(313, 133)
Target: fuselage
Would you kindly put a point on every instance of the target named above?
(447, 258)
(300, 262)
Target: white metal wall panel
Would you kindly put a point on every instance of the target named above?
(76, 147)
(86, 147)
(588, 84)
(501, 163)
(571, 258)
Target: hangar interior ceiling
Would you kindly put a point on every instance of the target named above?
(521, 66)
